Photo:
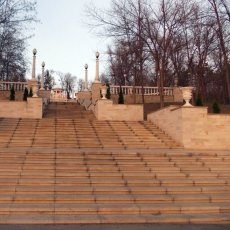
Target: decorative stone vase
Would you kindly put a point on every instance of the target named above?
(103, 92)
(187, 94)
(35, 88)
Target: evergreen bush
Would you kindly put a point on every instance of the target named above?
(120, 97)
(215, 107)
(30, 93)
(25, 95)
(12, 94)
(199, 101)
(108, 94)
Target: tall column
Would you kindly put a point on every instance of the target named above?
(34, 83)
(86, 78)
(97, 80)
(34, 63)
(43, 75)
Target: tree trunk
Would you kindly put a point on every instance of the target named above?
(222, 44)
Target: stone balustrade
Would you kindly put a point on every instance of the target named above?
(168, 91)
(18, 86)
(54, 97)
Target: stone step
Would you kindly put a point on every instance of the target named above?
(111, 219)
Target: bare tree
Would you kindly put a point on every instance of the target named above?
(15, 18)
(180, 39)
(67, 82)
(221, 36)
(80, 85)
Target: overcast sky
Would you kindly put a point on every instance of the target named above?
(63, 40)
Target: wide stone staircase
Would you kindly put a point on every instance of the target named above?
(68, 125)
(74, 170)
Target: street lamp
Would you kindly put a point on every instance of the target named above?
(97, 54)
(34, 51)
(34, 81)
(43, 75)
(125, 76)
(34, 60)
(97, 68)
(86, 77)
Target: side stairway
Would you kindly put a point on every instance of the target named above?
(72, 169)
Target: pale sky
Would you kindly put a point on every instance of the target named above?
(62, 39)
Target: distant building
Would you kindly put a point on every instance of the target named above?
(58, 94)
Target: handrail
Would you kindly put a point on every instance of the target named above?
(127, 90)
(7, 85)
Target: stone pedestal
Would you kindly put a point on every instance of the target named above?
(34, 85)
(177, 95)
(96, 91)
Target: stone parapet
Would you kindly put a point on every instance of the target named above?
(193, 127)
(106, 110)
(32, 108)
(137, 99)
(44, 94)
(5, 95)
(96, 87)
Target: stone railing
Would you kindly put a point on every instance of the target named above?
(18, 86)
(114, 89)
(58, 98)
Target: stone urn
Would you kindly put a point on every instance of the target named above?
(187, 94)
(103, 92)
(34, 88)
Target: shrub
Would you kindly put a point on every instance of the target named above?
(25, 95)
(199, 101)
(12, 94)
(215, 107)
(120, 97)
(30, 93)
(108, 94)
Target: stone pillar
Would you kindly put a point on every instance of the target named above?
(33, 81)
(96, 87)
(177, 95)
(34, 63)
(86, 78)
(97, 80)
(43, 75)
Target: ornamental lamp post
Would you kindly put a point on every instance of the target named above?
(34, 81)
(34, 63)
(86, 77)
(97, 80)
(125, 76)
(43, 75)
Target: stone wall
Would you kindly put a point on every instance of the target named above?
(193, 127)
(44, 94)
(137, 99)
(32, 108)
(106, 110)
(5, 95)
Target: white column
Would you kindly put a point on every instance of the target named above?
(34, 81)
(43, 75)
(97, 80)
(34, 63)
(86, 78)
